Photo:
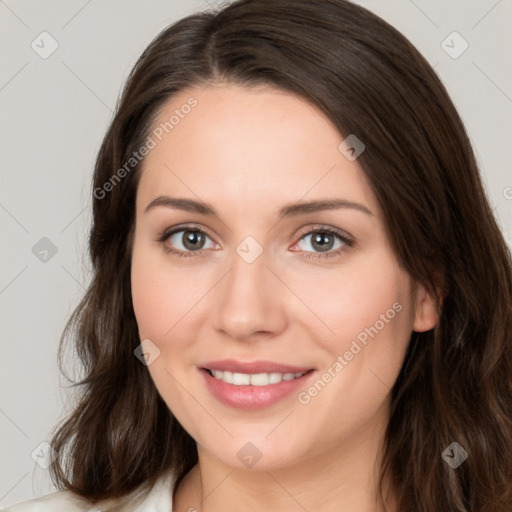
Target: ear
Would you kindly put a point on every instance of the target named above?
(426, 315)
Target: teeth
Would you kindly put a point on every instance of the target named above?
(275, 378)
(240, 379)
(255, 379)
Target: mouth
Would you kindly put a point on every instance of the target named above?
(254, 379)
(254, 385)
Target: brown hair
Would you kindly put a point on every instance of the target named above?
(455, 383)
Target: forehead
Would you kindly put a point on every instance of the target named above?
(238, 144)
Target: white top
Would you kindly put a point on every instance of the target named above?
(144, 499)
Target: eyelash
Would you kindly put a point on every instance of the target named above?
(348, 242)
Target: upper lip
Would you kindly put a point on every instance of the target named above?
(253, 367)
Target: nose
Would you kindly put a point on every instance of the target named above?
(250, 301)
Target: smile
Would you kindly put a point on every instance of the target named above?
(253, 385)
(254, 379)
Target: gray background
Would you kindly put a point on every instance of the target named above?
(54, 113)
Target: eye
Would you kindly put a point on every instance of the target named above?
(323, 240)
(189, 241)
(184, 241)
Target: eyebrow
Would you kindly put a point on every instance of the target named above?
(291, 209)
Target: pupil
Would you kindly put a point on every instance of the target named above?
(192, 239)
(319, 238)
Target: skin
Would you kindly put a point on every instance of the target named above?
(247, 152)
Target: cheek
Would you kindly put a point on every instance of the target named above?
(154, 284)
(146, 297)
(152, 301)
(166, 297)
(374, 294)
(369, 313)
(158, 311)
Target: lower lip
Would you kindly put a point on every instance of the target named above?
(252, 397)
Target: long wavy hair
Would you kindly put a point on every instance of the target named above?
(368, 79)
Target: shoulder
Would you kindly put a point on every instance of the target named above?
(59, 501)
(156, 498)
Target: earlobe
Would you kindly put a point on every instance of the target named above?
(426, 314)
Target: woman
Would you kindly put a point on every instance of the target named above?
(339, 338)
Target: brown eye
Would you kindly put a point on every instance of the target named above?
(184, 241)
(323, 241)
(192, 240)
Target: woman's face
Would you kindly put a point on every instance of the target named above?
(258, 296)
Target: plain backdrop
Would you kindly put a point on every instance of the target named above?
(54, 113)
